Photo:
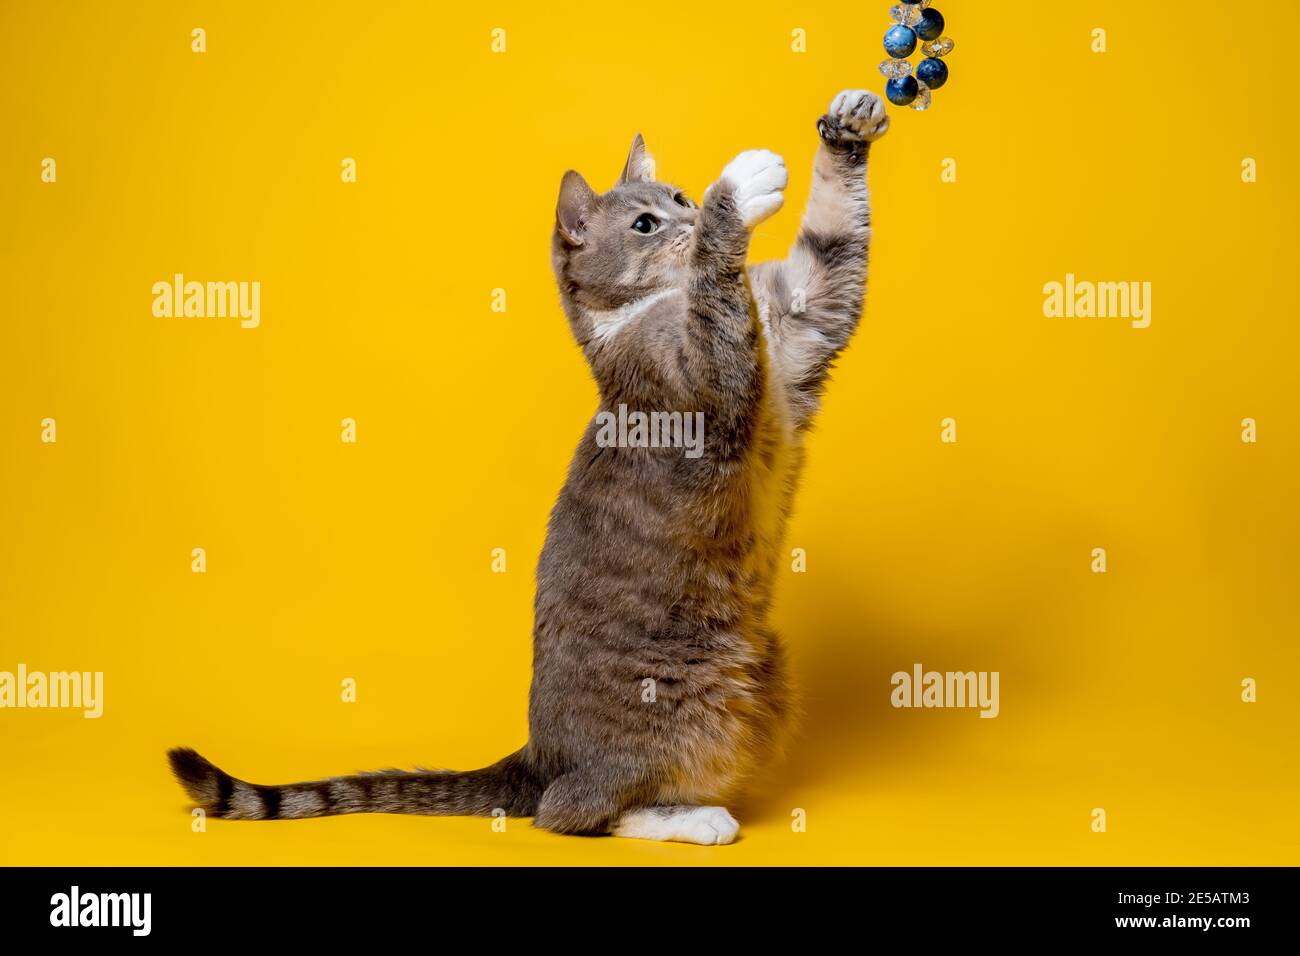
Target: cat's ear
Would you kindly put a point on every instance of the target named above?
(640, 165)
(573, 210)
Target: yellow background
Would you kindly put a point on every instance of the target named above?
(372, 561)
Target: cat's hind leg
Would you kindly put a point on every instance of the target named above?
(592, 804)
(584, 802)
(707, 826)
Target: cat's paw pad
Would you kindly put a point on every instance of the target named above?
(855, 116)
(707, 826)
(757, 178)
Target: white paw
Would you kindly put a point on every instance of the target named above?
(709, 826)
(706, 826)
(861, 113)
(757, 178)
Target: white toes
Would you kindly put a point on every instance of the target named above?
(757, 178)
(711, 826)
(705, 826)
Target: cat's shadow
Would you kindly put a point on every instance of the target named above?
(842, 655)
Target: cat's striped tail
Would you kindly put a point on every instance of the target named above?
(507, 785)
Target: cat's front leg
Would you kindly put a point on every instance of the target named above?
(813, 300)
(721, 338)
(757, 179)
(750, 190)
(855, 118)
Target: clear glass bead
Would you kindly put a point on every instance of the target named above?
(938, 48)
(922, 101)
(906, 14)
(894, 69)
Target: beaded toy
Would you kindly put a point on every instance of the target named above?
(915, 20)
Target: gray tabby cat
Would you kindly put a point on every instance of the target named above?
(658, 688)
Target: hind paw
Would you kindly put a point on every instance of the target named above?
(705, 826)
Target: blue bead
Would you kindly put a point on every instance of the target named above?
(902, 90)
(933, 73)
(930, 26)
(900, 41)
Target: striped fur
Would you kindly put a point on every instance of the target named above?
(506, 785)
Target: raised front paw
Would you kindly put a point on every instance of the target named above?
(855, 116)
(757, 178)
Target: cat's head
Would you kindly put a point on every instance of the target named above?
(611, 248)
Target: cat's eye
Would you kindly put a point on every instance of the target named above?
(645, 224)
(681, 200)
